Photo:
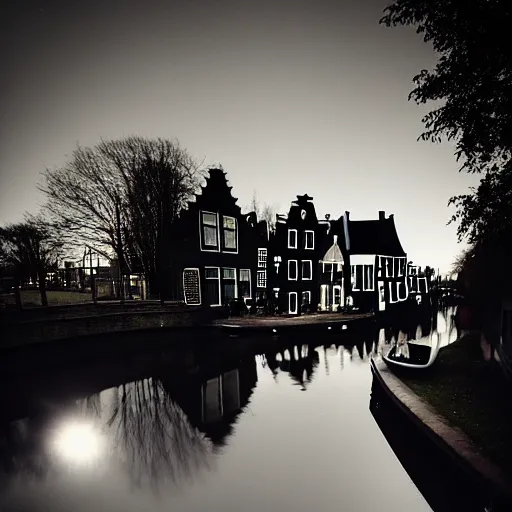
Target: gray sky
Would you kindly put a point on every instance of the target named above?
(292, 97)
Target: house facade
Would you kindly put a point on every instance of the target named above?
(377, 262)
(218, 253)
(293, 254)
(305, 264)
(364, 266)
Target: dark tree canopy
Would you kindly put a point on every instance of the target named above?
(485, 215)
(472, 80)
(31, 248)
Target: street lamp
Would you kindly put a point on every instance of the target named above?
(277, 262)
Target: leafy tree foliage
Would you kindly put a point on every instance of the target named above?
(472, 80)
(471, 86)
(485, 215)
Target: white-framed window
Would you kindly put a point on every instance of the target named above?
(330, 268)
(309, 239)
(307, 270)
(244, 283)
(422, 285)
(262, 257)
(292, 303)
(261, 278)
(336, 295)
(413, 284)
(389, 267)
(292, 239)
(357, 277)
(209, 226)
(402, 290)
(229, 233)
(393, 292)
(292, 270)
(401, 267)
(306, 298)
(368, 279)
(229, 287)
(381, 262)
(212, 285)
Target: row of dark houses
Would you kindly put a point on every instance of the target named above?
(305, 264)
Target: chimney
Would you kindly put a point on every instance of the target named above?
(346, 219)
(382, 215)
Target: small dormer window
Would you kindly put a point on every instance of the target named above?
(303, 214)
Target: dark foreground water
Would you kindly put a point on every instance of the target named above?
(288, 430)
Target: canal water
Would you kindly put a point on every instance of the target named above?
(289, 429)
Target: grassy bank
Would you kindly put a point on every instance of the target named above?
(472, 394)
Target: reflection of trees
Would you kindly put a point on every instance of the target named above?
(153, 435)
(149, 433)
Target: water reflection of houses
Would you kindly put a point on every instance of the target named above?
(213, 398)
(300, 361)
(417, 340)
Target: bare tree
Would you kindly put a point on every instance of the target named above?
(31, 248)
(86, 198)
(159, 178)
(264, 211)
(124, 195)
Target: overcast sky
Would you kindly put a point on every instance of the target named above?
(291, 97)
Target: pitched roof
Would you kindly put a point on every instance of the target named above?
(334, 252)
(374, 237)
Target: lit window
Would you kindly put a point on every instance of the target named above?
(210, 229)
(229, 230)
(244, 285)
(228, 273)
(261, 279)
(262, 258)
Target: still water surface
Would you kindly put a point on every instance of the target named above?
(289, 430)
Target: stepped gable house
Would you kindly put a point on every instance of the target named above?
(294, 252)
(218, 250)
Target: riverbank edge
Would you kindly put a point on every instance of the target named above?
(448, 437)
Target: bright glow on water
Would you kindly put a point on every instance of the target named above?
(77, 442)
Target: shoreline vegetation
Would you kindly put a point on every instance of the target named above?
(471, 393)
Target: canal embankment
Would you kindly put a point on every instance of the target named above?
(457, 405)
(37, 338)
